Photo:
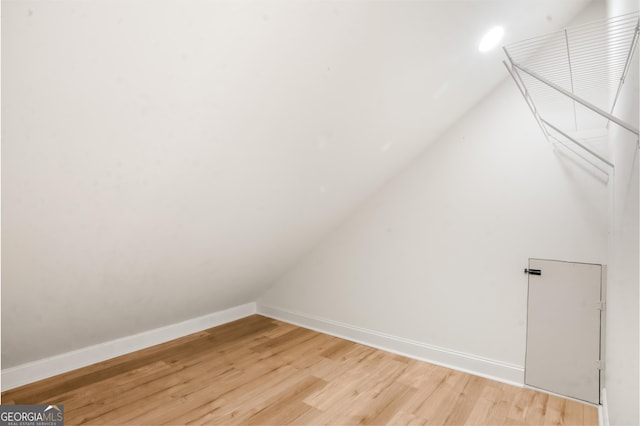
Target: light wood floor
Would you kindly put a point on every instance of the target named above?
(262, 371)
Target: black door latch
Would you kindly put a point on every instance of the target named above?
(533, 271)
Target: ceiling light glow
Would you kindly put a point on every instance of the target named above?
(491, 39)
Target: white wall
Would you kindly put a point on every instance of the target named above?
(623, 297)
(437, 255)
(163, 160)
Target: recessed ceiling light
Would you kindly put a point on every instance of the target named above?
(491, 39)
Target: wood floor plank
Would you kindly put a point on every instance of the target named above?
(554, 410)
(590, 415)
(536, 410)
(263, 371)
(439, 405)
(343, 388)
(285, 407)
(484, 405)
(417, 373)
(466, 401)
(431, 379)
(575, 411)
(62, 383)
(384, 405)
(520, 407)
(252, 396)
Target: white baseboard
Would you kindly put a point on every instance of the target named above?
(603, 409)
(48, 367)
(479, 366)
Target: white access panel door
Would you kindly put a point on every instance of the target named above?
(563, 328)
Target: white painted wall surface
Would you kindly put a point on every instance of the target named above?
(162, 160)
(437, 255)
(623, 297)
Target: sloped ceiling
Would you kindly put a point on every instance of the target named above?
(163, 160)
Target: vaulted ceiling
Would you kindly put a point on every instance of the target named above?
(166, 159)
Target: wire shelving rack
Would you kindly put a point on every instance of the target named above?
(572, 80)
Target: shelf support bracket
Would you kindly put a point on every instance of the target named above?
(527, 98)
(608, 163)
(627, 64)
(577, 99)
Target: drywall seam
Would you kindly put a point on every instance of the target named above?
(48, 367)
(476, 365)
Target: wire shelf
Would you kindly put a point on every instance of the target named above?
(571, 79)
